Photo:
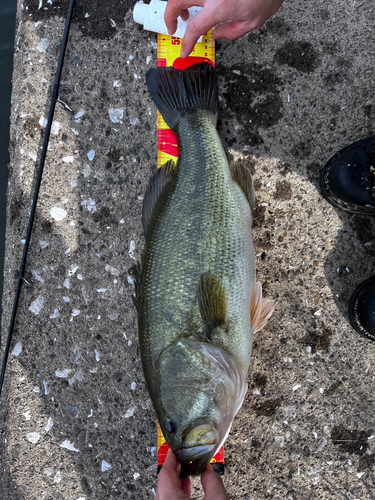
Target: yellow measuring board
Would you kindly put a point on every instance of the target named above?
(169, 48)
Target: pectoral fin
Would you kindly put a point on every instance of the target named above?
(260, 310)
(244, 179)
(162, 176)
(212, 301)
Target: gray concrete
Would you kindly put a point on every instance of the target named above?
(307, 427)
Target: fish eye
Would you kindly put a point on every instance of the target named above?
(170, 426)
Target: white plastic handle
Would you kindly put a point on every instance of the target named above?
(151, 16)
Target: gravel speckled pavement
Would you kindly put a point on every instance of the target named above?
(75, 420)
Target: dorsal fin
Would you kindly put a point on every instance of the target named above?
(244, 179)
(260, 309)
(212, 301)
(158, 181)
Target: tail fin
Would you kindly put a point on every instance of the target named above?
(177, 92)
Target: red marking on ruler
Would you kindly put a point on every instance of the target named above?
(182, 64)
(167, 142)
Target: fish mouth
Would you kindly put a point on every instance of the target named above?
(198, 448)
(194, 460)
(187, 455)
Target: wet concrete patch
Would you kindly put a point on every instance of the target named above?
(313, 172)
(260, 379)
(260, 382)
(283, 191)
(337, 75)
(250, 95)
(350, 441)
(334, 388)
(302, 149)
(299, 55)
(352, 256)
(317, 341)
(276, 26)
(15, 208)
(31, 126)
(366, 463)
(94, 18)
(364, 228)
(259, 216)
(86, 488)
(267, 408)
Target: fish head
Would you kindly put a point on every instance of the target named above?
(201, 388)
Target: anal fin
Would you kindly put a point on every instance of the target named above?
(244, 179)
(212, 301)
(260, 309)
(161, 177)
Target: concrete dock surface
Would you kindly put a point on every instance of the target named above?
(76, 421)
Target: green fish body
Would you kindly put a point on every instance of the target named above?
(197, 277)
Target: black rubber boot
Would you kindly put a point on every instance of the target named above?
(362, 309)
(348, 179)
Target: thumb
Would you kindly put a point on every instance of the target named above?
(213, 486)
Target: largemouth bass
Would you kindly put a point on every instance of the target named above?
(197, 300)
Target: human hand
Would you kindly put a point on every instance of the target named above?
(172, 487)
(235, 17)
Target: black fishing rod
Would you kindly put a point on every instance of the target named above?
(37, 189)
